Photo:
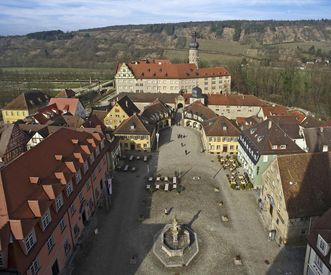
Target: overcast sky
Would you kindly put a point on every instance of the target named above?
(24, 16)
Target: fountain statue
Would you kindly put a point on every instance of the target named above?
(176, 245)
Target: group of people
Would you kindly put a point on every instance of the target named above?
(183, 144)
(181, 136)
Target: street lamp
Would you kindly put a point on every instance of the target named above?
(157, 140)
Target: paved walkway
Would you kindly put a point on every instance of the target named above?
(122, 236)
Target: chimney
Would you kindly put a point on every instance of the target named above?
(269, 124)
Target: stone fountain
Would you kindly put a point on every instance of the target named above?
(176, 245)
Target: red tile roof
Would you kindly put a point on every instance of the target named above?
(197, 108)
(65, 104)
(166, 70)
(275, 110)
(235, 100)
(220, 126)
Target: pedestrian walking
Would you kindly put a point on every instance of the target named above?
(185, 152)
(166, 212)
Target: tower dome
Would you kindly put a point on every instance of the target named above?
(194, 44)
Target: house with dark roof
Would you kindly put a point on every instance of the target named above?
(136, 134)
(12, 142)
(318, 252)
(122, 110)
(60, 183)
(220, 135)
(24, 105)
(195, 114)
(317, 139)
(259, 145)
(158, 114)
(296, 191)
(142, 100)
(66, 93)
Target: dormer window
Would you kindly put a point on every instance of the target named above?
(253, 130)
(283, 147)
(58, 202)
(274, 147)
(69, 188)
(30, 241)
(92, 158)
(85, 167)
(322, 245)
(46, 220)
(78, 176)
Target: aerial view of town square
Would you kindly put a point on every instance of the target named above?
(165, 138)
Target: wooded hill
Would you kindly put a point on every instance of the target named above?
(103, 47)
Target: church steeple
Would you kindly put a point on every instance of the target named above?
(194, 50)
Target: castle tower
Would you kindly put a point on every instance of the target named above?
(193, 55)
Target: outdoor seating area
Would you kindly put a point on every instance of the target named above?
(127, 162)
(164, 183)
(236, 179)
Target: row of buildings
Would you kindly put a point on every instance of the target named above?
(56, 166)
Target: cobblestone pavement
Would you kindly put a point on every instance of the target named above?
(125, 239)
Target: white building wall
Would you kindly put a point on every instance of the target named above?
(311, 264)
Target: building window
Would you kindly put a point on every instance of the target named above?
(58, 202)
(1, 261)
(62, 225)
(318, 262)
(46, 220)
(72, 209)
(88, 184)
(69, 188)
(50, 243)
(81, 197)
(35, 266)
(76, 231)
(78, 176)
(67, 247)
(30, 240)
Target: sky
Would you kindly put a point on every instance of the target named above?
(25, 16)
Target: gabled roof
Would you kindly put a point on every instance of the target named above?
(134, 125)
(30, 101)
(200, 110)
(268, 134)
(235, 100)
(128, 106)
(100, 114)
(247, 122)
(38, 162)
(288, 124)
(306, 183)
(156, 111)
(317, 138)
(44, 114)
(73, 121)
(66, 93)
(150, 97)
(165, 70)
(93, 122)
(66, 104)
(321, 227)
(310, 122)
(275, 110)
(220, 126)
